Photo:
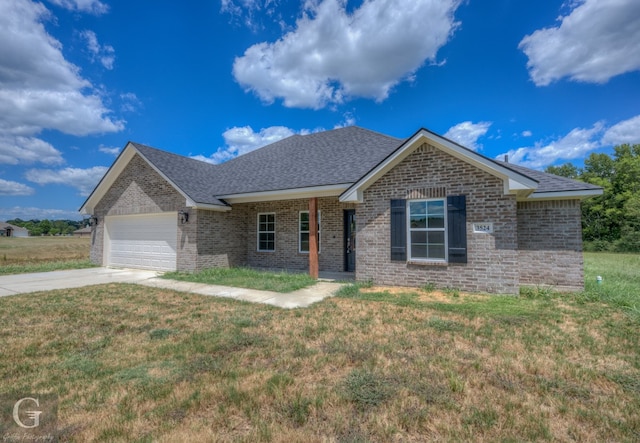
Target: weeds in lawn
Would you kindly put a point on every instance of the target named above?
(366, 388)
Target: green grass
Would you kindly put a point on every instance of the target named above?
(25, 268)
(620, 285)
(246, 278)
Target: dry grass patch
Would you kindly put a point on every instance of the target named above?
(42, 254)
(131, 363)
(15, 250)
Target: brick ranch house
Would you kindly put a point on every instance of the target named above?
(396, 212)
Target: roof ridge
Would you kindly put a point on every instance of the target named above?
(141, 145)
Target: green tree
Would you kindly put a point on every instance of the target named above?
(613, 216)
(45, 226)
(568, 170)
(630, 230)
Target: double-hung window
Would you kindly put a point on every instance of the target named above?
(303, 231)
(267, 232)
(427, 229)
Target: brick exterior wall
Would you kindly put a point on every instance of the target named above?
(533, 243)
(492, 258)
(222, 239)
(139, 189)
(286, 255)
(550, 244)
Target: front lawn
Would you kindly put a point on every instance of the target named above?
(246, 278)
(132, 363)
(42, 254)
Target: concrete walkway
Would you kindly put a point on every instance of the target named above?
(76, 278)
(296, 299)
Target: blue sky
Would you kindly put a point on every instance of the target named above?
(546, 82)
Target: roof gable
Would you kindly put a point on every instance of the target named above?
(187, 176)
(514, 181)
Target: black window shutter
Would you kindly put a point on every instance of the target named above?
(457, 228)
(399, 230)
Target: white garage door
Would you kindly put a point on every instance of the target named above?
(142, 241)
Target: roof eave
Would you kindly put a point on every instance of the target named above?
(580, 194)
(286, 194)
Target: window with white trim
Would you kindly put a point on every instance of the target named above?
(427, 229)
(267, 232)
(303, 232)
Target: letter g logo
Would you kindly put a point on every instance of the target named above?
(33, 415)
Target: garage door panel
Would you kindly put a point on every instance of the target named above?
(146, 241)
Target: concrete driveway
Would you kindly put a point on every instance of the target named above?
(76, 278)
(72, 278)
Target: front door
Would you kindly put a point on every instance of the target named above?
(350, 240)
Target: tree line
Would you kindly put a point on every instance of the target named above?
(48, 227)
(611, 221)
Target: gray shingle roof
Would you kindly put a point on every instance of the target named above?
(333, 157)
(550, 182)
(195, 178)
(339, 156)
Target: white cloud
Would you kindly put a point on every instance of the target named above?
(109, 150)
(467, 133)
(39, 89)
(19, 149)
(31, 213)
(82, 179)
(241, 140)
(598, 40)
(130, 102)
(105, 54)
(348, 120)
(95, 7)
(627, 131)
(249, 12)
(8, 187)
(526, 133)
(576, 144)
(333, 54)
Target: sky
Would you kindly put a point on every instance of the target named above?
(544, 82)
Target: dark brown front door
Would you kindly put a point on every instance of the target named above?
(350, 240)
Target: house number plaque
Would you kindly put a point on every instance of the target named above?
(483, 228)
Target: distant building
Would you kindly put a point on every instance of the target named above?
(82, 232)
(8, 230)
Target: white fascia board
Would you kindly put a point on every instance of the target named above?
(191, 204)
(108, 179)
(564, 195)
(285, 194)
(114, 172)
(513, 180)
